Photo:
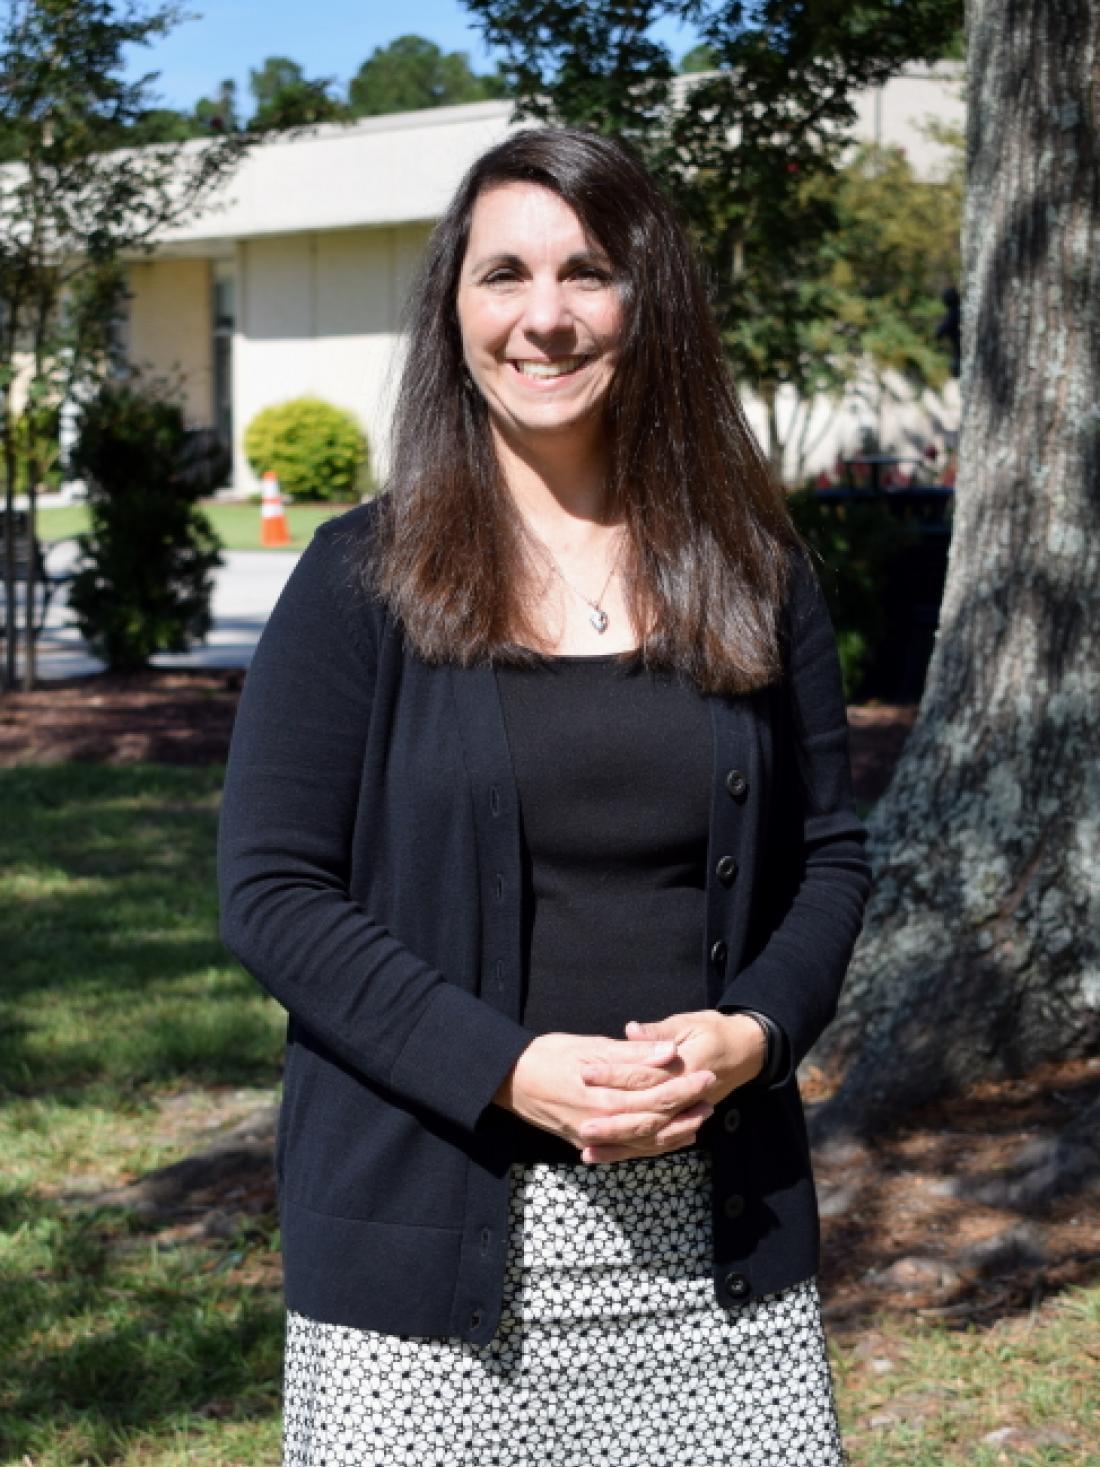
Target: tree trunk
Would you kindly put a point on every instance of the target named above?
(774, 444)
(30, 669)
(10, 615)
(981, 953)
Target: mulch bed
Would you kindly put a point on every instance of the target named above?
(878, 734)
(178, 717)
(185, 717)
(959, 1215)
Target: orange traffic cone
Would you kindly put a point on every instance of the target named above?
(274, 529)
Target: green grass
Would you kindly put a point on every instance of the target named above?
(949, 1390)
(117, 995)
(237, 524)
(115, 975)
(118, 1351)
(128, 1342)
(62, 524)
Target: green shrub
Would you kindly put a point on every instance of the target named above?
(151, 553)
(317, 451)
(36, 443)
(855, 543)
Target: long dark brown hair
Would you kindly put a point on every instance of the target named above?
(708, 532)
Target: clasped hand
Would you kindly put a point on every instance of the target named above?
(647, 1094)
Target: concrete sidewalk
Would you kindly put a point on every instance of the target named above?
(245, 590)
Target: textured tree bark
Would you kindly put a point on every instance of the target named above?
(981, 953)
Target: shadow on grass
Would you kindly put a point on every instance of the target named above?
(108, 924)
(104, 1336)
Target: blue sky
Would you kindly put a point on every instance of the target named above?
(327, 37)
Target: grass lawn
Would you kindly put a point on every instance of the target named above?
(125, 1032)
(1021, 1391)
(117, 1346)
(237, 524)
(62, 524)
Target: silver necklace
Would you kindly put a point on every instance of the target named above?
(596, 614)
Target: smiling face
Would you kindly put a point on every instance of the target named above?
(540, 316)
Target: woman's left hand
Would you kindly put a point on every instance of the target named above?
(732, 1046)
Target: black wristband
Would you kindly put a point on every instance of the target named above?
(773, 1054)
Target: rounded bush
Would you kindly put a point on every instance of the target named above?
(316, 450)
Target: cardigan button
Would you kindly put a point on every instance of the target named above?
(733, 1206)
(475, 1319)
(737, 784)
(737, 1286)
(731, 1120)
(718, 952)
(726, 870)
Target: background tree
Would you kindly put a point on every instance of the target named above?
(159, 125)
(215, 114)
(879, 277)
(72, 209)
(739, 147)
(286, 98)
(982, 950)
(412, 72)
(219, 112)
(699, 58)
(895, 251)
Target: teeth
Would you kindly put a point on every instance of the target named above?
(550, 369)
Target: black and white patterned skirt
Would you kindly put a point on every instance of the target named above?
(612, 1350)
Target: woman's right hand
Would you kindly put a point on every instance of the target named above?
(663, 1105)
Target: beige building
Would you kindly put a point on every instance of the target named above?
(294, 281)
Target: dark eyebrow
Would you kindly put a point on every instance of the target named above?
(513, 262)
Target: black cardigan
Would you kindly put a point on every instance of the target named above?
(370, 879)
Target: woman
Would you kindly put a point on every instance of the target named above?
(538, 822)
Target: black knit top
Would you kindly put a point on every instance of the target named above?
(613, 767)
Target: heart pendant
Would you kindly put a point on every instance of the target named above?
(598, 618)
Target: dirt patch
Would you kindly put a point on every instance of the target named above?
(186, 717)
